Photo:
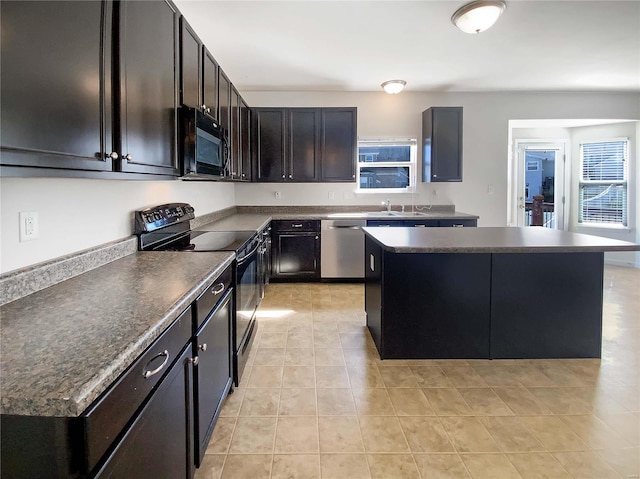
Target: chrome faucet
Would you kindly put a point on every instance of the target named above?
(388, 205)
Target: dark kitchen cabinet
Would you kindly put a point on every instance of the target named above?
(213, 373)
(89, 86)
(339, 144)
(270, 139)
(295, 250)
(234, 136)
(198, 73)
(209, 84)
(148, 87)
(302, 154)
(224, 100)
(155, 444)
(442, 144)
(191, 58)
(306, 144)
(56, 67)
(246, 152)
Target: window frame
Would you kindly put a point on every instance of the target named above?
(582, 182)
(411, 164)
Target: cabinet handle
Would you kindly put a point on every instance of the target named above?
(219, 289)
(203, 347)
(193, 361)
(291, 177)
(128, 157)
(353, 176)
(317, 237)
(458, 226)
(283, 176)
(419, 226)
(296, 225)
(113, 155)
(147, 374)
(243, 175)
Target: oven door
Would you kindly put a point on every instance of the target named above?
(247, 294)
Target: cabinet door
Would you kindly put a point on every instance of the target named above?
(296, 256)
(224, 100)
(442, 144)
(338, 144)
(213, 372)
(303, 153)
(210, 84)
(234, 135)
(245, 140)
(271, 144)
(56, 84)
(148, 80)
(158, 445)
(190, 66)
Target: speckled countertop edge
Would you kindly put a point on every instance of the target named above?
(493, 240)
(39, 374)
(25, 281)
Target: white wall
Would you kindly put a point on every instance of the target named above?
(573, 136)
(603, 132)
(75, 214)
(485, 143)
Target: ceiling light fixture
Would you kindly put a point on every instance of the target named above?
(393, 86)
(478, 16)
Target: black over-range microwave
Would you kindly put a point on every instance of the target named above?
(203, 146)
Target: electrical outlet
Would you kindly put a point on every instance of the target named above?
(490, 189)
(278, 195)
(29, 227)
(332, 195)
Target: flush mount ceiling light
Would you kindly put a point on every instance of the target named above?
(393, 86)
(477, 16)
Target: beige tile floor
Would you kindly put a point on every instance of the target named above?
(317, 402)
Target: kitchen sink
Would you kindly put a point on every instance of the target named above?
(365, 214)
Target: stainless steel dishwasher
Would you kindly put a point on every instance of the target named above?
(342, 249)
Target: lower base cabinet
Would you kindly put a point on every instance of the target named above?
(159, 442)
(295, 250)
(212, 373)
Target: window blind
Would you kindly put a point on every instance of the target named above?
(603, 184)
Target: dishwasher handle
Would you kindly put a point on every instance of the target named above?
(339, 227)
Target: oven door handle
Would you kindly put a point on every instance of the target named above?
(246, 257)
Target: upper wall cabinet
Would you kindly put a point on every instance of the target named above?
(442, 144)
(198, 72)
(306, 144)
(56, 94)
(191, 66)
(90, 86)
(148, 87)
(339, 144)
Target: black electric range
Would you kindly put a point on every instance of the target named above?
(167, 228)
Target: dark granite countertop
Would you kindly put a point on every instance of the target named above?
(492, 240)
(64, 345)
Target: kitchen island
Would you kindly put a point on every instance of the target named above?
(437, 293)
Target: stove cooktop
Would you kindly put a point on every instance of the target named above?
(204, 241)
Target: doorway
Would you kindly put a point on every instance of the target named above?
(541, 184)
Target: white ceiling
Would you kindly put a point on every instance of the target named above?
(356, 45)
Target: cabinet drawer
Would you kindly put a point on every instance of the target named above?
(458, 223)
(214, 293)
(106, 418)
(296, 225)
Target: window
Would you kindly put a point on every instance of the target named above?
(603, 182)
(387, 166)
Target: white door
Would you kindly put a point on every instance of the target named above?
(541, 172)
